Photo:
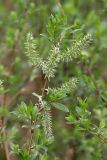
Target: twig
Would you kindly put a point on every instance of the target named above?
(33, 122)
(3, 121)
(46, 81)
(31, 137)
(5, 144)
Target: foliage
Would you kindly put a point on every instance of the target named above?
(53, 88)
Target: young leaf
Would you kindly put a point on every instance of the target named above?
(61, 107)
(71, 118)
(51, 97)
(102, 124)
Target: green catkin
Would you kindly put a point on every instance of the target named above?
(56, 55)
(31, 51)
(50, 65)
(47, 123)
(75, 50)
(67, 87)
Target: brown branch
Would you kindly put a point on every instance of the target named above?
(34, 123)
(46, 81)
(3, 121)
(5, 144)
(31, 137)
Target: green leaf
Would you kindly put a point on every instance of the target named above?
(55, 26)
(71, 118)
(26, 112)
(61, 107)
(79, 110)
(102, 124)
(54, 97)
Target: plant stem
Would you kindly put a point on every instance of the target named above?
(33, 123)
(31, 137)
(3, 121)
(46, 81)
(5, 144)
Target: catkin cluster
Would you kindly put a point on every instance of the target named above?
(49, 65)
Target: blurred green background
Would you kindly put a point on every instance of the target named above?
(18, 17)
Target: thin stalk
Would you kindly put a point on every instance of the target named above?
(31, 138)
(5, 144)
(33, 122)
(46, 81)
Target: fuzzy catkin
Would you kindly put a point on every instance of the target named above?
(31, 51)
(56, 56)
(74, 51)
(47, 123)
(50, 65)
(67, 87)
